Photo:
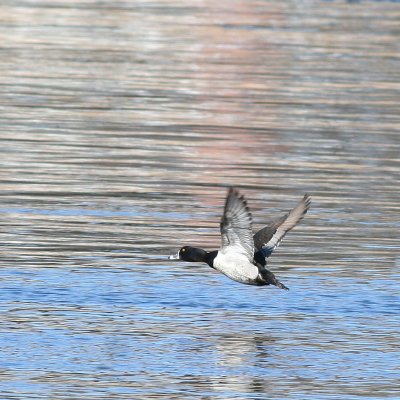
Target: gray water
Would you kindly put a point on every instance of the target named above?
(122, 125)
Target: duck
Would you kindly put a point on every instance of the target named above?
(242, 256)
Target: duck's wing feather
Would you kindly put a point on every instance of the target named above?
(267, 239)
(236, 226)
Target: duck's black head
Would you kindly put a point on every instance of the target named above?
(191, 254)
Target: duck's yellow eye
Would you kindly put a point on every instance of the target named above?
(183, 250)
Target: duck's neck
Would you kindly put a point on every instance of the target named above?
(196, 254)
(209, 259)
(199, 255)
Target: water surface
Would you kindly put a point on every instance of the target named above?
(122, 126)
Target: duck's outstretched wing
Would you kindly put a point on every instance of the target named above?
(236, 226)
(267, 239)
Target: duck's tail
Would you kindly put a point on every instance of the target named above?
(269, 278)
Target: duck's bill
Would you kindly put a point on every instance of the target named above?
(174, 256)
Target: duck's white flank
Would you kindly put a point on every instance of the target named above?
(237, 267)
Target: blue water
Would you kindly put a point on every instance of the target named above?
(139, 328)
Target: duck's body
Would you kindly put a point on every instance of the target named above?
(237, 267)
(242, 256)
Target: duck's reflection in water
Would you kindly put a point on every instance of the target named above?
(246, 355)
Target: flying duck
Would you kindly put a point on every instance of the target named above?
(242, 256)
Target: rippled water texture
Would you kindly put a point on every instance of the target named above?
(122, 124)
